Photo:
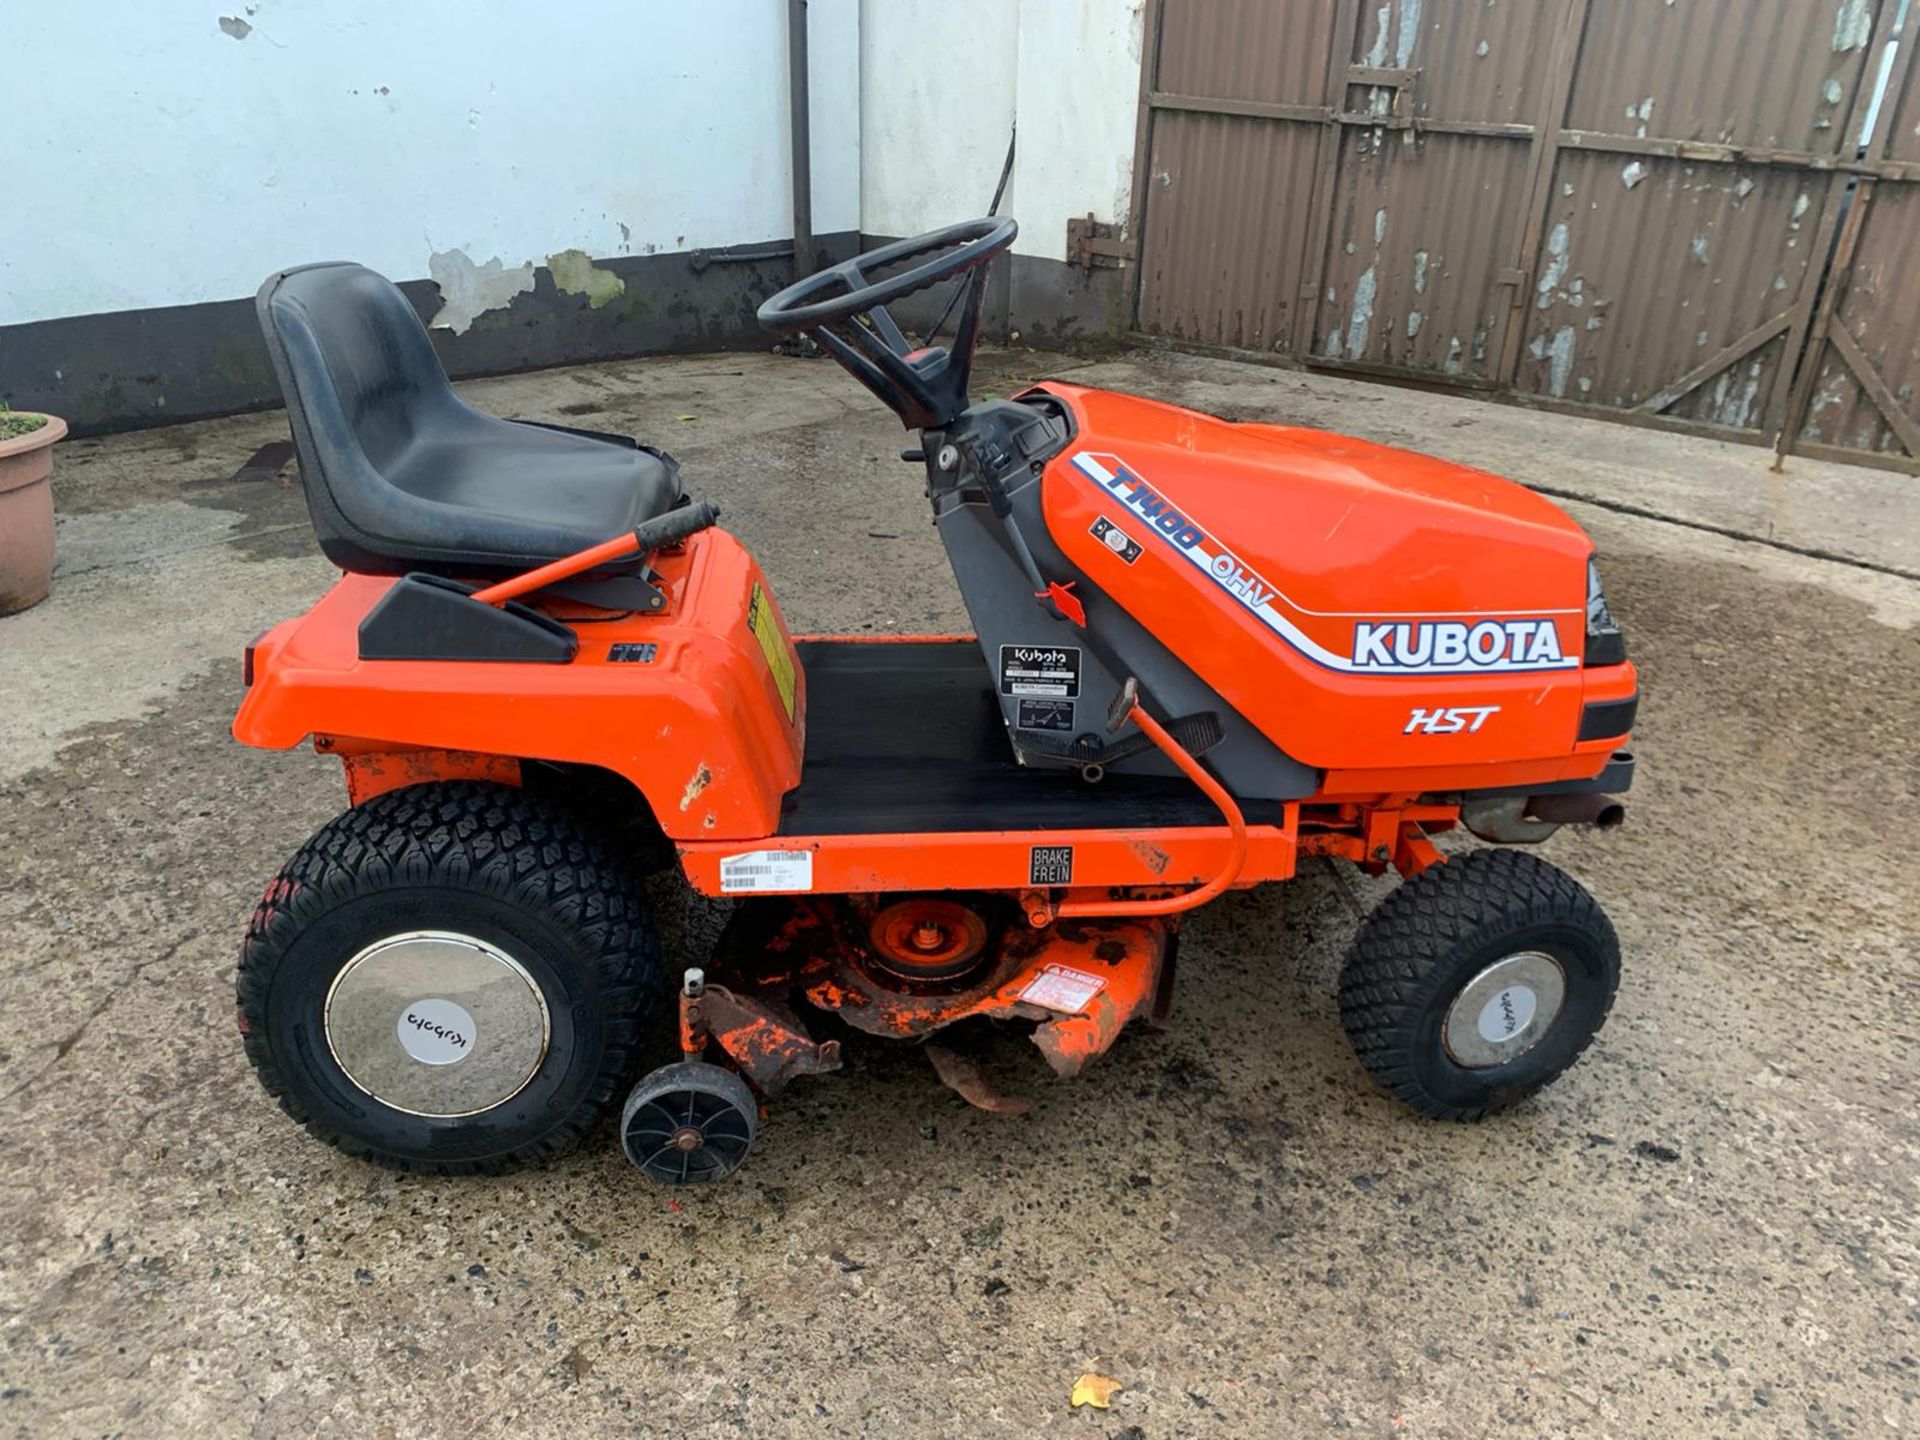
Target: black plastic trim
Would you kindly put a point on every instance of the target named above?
(430, 617)
(606, 437)
(1605, 719)
(1606, 647)
(1616, 779)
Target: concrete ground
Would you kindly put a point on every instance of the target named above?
(1706, 1228)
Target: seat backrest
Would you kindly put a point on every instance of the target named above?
(359, 377)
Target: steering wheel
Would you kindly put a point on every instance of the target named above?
(845, 311)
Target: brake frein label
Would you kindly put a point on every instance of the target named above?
(1050, 865)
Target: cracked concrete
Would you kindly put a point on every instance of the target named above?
(1706, 1228)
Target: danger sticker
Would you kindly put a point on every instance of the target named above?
(761, 870)
(1049, 670)
(1061, 988)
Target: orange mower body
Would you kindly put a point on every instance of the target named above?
(1201, 650)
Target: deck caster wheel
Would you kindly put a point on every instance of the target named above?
(689, 1123)
(1478, 982)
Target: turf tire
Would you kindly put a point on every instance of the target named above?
(1430, 937)
(488, 861)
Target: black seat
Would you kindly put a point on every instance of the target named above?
(401, 474)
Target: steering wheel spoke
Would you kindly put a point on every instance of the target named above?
(884, 326)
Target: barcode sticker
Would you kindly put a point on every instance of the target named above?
(766, 870)
(1058, 987)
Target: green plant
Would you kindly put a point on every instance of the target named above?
(13, 424)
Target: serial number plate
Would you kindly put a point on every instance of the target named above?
(762, 870)
(1049, 670)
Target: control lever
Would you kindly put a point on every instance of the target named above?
(1055, 597)
(645, 538)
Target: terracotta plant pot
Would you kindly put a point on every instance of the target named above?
(26, 516)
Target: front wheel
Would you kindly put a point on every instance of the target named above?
(448, 978)
(1477, 982)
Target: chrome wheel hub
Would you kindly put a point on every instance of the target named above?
(1505, 1010)
(437, 1024)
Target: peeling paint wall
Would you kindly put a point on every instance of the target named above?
(205, 150)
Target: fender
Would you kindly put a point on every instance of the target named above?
(700, 705)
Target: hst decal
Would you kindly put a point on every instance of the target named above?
(1449, 720)
(1412, 646)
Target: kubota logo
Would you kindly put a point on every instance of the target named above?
(1455, 645)
(442, 1032)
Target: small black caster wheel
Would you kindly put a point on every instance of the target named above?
(1477, 982)
(689, 1123)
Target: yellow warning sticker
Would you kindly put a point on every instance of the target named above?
(764, 622)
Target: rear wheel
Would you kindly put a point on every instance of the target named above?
(448, 978)
(1477, 982)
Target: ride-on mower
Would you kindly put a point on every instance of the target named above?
(1203, 651)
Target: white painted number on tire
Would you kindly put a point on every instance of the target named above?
(436, 1032)
(1507, 1014)
(766, 870)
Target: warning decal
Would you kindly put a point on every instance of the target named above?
(1045, 715)
(765, 625)
(1062, 988)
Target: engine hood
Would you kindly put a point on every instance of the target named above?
(1303, 572)
(1363, 527)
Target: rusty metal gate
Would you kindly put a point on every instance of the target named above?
(1621, 207)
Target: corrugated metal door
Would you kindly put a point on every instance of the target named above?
(1856, 396)
(1430, 192)
(1691, 205)
(1623, 207)
(1237, 99)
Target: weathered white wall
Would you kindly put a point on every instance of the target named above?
(153, 157)
(1079, 98)
(161, 155)
(941, 83)
(937, 86)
